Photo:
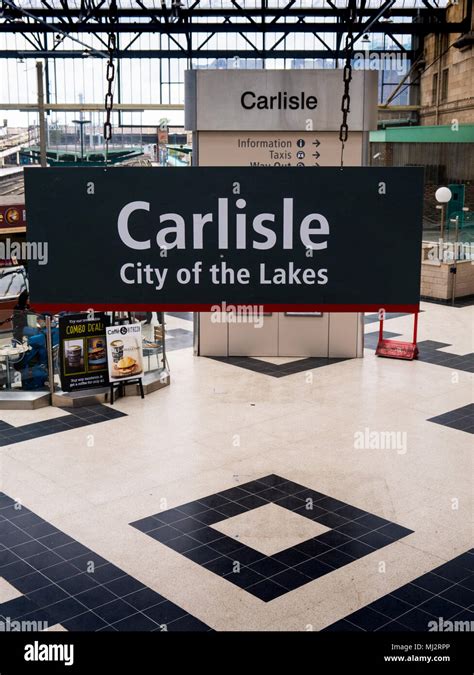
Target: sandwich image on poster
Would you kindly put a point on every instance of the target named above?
(124, 352)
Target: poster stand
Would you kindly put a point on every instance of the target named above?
(397, 349)
(120, 387)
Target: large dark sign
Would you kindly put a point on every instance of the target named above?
(83, 352)
(328, 238)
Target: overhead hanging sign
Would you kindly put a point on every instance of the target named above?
(277, 100)
(344, 240)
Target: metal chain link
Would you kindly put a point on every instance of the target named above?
(110, 76)
(347, 78)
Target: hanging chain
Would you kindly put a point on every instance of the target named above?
(110, 75)
(347, 78)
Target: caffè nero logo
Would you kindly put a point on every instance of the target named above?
(281, 100)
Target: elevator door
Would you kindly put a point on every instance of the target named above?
(303, 334)
(256, 338)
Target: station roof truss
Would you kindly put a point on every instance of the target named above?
(78, 28)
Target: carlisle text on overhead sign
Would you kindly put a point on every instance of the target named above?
(282, 237)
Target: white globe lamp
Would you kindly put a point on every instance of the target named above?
(443, 195)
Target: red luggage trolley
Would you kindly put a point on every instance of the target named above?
(397, 349)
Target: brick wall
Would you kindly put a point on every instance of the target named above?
(459, 102)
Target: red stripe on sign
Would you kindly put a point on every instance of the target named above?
(51, 308)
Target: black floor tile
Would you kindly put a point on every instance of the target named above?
(221, 566)
(438, 606)
(282, 370)
(65, 609)
(47, 595)
(106, 573)
(247, 556)
(187, 623)
(376, 539)
(63, 570)
(220, 554)
(335, 558)
(69, 551)
(432, 583)
(84, 622)
(390, 606)
(135, 623)
(353, 529)
(64, 592)
(356, 549)
(144, 598)
(31, 582)
(343, 626)
(72, 420)
(291, 578)
(466, 560)
(290, 557)
(96, 596)
(114, 611)
(267, 590)
(183, 543)
(226, 545)
(412, 607)
(14, 609)
(314, 568)
(461, 419)
(78, 583)
(124, 585)
(244, 578)
(165, 612)
(268, 567)
(416, 620)
(367, 619)
(42, 561)
(202, 554)
(25, 551)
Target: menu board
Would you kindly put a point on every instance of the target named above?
(82, 352)
(125, 352)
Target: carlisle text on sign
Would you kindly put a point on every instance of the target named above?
(288, 239)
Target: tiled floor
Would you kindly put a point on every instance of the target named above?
(215, 433)
(289, 367)
(73, 419)
(46, 576)
(444, 594)
(203, 532)
(461, 418)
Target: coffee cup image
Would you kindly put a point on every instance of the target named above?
(74, 356)
(116, 347)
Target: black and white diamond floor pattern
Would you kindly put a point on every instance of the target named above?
(188, 529)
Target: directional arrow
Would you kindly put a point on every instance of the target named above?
(316, 154)
(316, 143)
